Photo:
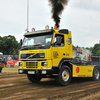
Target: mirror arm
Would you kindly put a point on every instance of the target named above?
(53, 44)
(20, 43)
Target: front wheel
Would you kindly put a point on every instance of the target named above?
(34, 78)
(96, 74)
(64, 76)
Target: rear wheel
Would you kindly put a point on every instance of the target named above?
(96, 74)
(64, 76)
(34, 78)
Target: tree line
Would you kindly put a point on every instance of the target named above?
(9, 45)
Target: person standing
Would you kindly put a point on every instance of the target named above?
(9, 58)
(4, 61)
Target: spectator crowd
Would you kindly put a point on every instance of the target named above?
(4, 60)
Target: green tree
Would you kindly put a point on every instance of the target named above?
(95, 49)
(1, 39)
(9, 45)
(91, 48)
(98, 53)
(74, 47)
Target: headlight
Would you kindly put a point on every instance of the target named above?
(20, 63)
(44, 63)
(20, 71)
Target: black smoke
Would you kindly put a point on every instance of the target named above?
(57, 8)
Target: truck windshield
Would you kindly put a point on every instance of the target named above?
(37, 42)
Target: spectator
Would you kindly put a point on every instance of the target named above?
(4, 61)
(0, 59)
(9, 58)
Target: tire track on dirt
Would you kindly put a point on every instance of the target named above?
(76, 94)
(20, 88)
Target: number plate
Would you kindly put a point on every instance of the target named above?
(43, 72)
(31, 72)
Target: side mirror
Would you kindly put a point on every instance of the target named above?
(20, 43)
(58, 40)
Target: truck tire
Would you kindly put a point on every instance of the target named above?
(34, 78)
(96, 74)
(64, 76)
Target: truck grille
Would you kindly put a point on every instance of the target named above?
(32, 55)
(31, 64)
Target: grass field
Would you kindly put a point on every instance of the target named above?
(7, 70)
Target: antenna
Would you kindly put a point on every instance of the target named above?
(27, 15)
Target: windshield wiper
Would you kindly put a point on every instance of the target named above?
(25, 47)
(37, 45)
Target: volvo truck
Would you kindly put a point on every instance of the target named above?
(49, 54)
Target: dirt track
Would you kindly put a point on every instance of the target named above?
(17, 87)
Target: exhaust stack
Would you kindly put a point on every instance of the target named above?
(57, 8)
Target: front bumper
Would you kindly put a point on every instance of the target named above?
(35, 72)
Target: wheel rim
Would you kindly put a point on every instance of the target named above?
(97, 74)
(65, 75)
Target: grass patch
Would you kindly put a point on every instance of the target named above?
(9, 69)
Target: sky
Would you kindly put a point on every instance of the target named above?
(81, 17)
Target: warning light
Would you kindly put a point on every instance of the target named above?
(46, 27)
(33, 29)
(55, 27)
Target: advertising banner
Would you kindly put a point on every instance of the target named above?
(12, 62)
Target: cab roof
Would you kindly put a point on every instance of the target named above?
(38, 32)
(65, 31)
